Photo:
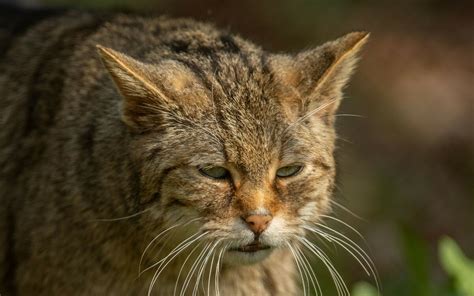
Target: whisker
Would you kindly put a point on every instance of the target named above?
(298, 266)
(182, 267)
(353, 246)
(200, 269)
(125, 217)
(210, 274)
(338, 280)
(203, 267)
(321, 240)
(346, 209)
(350, 243)
(162, 267)
(151, 242)
(158, 236)
(343, 245)
(190, 274)
(345, 224)
(347, 115)
(218, 269)
(316, 286)
(210, 271)
(305, 269)
(175, 252)
(309, 114)
(162, 242)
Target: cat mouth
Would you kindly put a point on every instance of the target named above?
(251, 248)
(248, 254)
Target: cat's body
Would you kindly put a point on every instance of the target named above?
(74, 153)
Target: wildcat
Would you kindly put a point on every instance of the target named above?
(148, 155)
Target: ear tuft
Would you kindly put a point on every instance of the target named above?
(331, 64)
(344, 51)
(131, 76)
(136, 82)
(319, 75)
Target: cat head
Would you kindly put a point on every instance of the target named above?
(235, 145)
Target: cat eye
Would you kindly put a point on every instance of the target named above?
(289, 171)
(215, 172)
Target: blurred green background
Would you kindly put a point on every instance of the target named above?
(406, 165)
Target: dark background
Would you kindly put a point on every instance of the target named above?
(406, 165)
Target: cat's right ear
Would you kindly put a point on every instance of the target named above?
(135, 81)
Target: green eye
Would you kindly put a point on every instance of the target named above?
(215, 172)
(289, 171)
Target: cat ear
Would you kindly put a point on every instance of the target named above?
(136, 82)
(319, 75)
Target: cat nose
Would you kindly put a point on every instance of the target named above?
(258, 223)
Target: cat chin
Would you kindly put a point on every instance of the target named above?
(246, 258)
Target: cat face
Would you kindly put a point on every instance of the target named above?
(236, 148)
(277, 170)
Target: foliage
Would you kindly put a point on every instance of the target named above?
(364, 289)
(454, 262)
(458, 266)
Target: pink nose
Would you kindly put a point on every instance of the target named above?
(258, 223)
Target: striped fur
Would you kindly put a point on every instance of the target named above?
(88, 135)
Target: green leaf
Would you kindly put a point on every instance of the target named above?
(364, 289)
(457, 265)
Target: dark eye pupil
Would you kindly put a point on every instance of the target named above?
(288, 171)
(215, 172)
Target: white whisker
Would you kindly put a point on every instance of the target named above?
(203, 267)
(347, 115)
(351, 243)
(304, 268)
(175, 252)
(338, 280)
(182, 267)
(346, 247)
(218, 269)
(309, 114)
(345, 224)
(346, 209)
(314, 278)
(298, 266)
(354, 247)
(125, 217)
(190, 274)
(151, 242)
(200, 270)
(210, 272)
(158, 236)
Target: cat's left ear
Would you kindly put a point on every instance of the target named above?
(319, 75)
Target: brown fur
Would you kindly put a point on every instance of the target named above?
(74, 151)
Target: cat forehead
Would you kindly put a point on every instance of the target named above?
(255, 144)
(244, 110)
(238, 94)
